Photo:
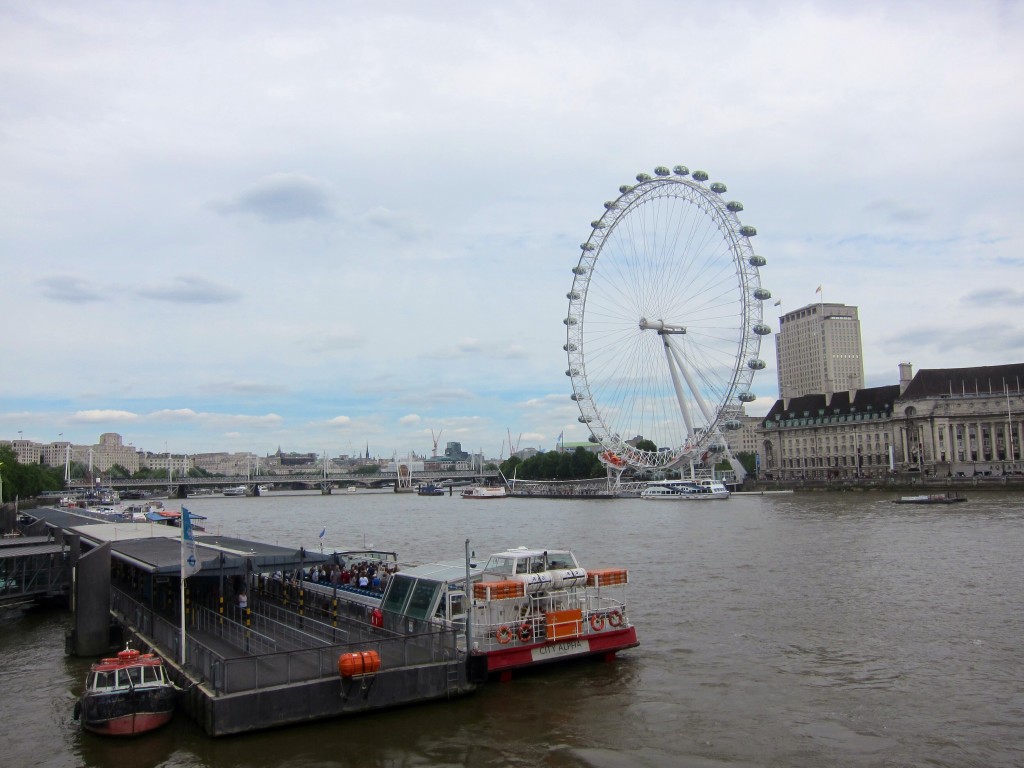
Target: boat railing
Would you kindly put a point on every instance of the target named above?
(594, 610)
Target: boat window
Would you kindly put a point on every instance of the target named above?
(151, 675)
(134, 674)
(561, 560)
(457, 604)
(501, 565)
(398, 593)
(536, 564)
(422, 599)
(103, 680)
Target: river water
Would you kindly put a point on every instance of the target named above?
(819, 629)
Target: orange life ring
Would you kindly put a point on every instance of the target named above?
(504, 634)
(525, 631)
(614, 617)
(596, 622)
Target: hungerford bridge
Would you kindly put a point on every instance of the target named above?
(181, 486)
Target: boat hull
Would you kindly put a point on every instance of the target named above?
(602, 644)
(127, 713)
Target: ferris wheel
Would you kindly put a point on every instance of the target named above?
(665, 320)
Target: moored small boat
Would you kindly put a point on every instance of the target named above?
(235, 490)
(931, 498)
(429, 489)
(485, 492)
(685, 490)
(126, 695)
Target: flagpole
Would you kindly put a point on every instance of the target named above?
(184, 521)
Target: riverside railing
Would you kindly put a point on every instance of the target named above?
(262, 666)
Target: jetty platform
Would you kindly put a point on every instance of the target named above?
(271, 660)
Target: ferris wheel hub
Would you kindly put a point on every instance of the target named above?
(660, 326)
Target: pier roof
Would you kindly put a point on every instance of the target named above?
(156, 547)
(216, 554)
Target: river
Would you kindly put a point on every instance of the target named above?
(818, 629)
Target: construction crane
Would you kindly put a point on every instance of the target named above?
(513, 448)
(436, 438)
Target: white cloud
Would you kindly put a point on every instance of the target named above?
(227, 229)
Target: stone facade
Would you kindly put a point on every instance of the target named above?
(952, 422)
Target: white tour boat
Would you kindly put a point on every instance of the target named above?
(485, 492)
(685, 490)
(235, 490)
(526, 607)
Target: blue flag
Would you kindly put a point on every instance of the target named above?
(189, 563)
(322, 532)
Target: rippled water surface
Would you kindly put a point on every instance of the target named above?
(799, 630)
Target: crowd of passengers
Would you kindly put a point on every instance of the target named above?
(365, 575)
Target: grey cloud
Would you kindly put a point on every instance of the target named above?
(1006, 297)
(191, 289)
(896, 213)
(70, 289)
(280, 198)
(997, 340)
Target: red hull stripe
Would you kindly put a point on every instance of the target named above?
(131, 725)
(543, 653)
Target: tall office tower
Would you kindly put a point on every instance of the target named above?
(818, 351)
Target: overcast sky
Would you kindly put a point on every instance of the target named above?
(328, 226)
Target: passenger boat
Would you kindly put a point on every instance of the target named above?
(525, 607)
(429, 489)
(685, 490)
(126, 695)
(235, 490)
(931, 498)
(485, 492)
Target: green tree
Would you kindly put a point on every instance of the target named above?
(26, 480)
(749, 461)
(581, 464)
(646, 445)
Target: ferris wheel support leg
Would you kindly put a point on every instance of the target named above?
(694, 389)
(674, 368)
(614, 478)
(737, 467)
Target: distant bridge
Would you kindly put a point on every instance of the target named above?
(179, 486)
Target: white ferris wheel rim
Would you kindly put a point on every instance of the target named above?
(664, 322)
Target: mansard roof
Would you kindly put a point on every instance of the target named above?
(983, 380)
(873, 399)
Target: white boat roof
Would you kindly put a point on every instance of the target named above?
(447, 571)
(524, 552)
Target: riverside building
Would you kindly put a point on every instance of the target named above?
(945, 422)
(818, 349)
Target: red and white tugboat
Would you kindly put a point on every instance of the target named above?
(526, 607)
(126, 695)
